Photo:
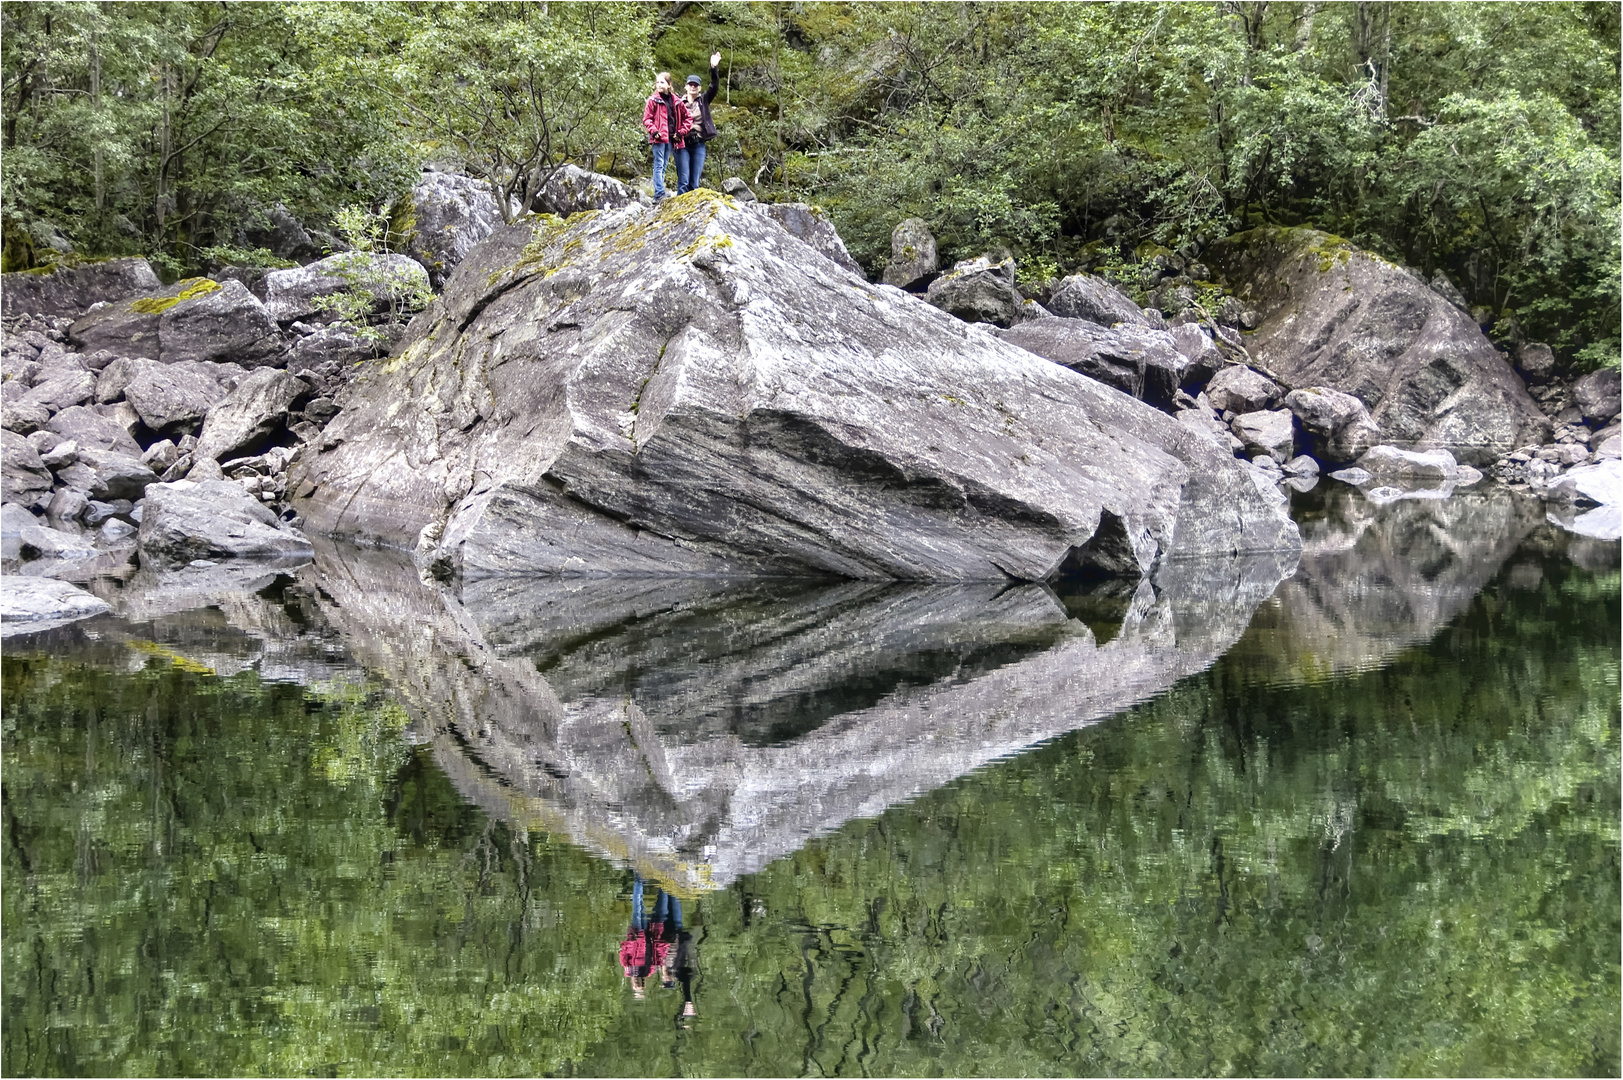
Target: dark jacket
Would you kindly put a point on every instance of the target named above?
(705, 128)
(666, 125)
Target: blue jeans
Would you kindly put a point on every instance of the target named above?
(667, 908)
(663, 153)
(695, 164)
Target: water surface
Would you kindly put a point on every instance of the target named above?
(1353, 814)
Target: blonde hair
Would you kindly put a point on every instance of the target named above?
(663, 75)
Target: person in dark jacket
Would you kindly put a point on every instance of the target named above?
(667, 121)
(704, 129)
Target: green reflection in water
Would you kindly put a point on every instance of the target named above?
(1411, 870)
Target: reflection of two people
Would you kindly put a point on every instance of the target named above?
(658, 942)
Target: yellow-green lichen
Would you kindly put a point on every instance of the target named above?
(190, 289)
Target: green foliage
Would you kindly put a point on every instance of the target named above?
(371, 286)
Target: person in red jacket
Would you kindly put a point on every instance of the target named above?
(667, 121)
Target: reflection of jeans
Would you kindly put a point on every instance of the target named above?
(695, 163)
(663, 153)
(667, 908)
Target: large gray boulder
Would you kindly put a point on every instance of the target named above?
(173, 398)
(912, 254)
(1269, 432)
(70, 290)
(114, 475)
(1144, 363)
(23, 476)
(62, 390)
(131, 327)
(246, 417)
(212, 520)
(1597, 394)
(1083, 296)
(293, 294)
(1335, 316)
(449, 215)
(694, 391)
(811, 227)
(226, 324)
(1338, 425)
(573, 190)
(1395, 463)
(112, 380)
(1600, 484)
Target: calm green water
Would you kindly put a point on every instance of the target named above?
(1374, 830)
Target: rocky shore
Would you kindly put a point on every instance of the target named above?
(711, 387)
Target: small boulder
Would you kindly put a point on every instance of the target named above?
(24, 418)
(172, 397)
(23, 476)
(116, 376)
(1197, 346)
(739, 190)
(1535, 360)
(292, 294)
(809, 225)
(29, 604)
(1267, 432)
(572, 189)
(1083, 296)
(1238, 389)
(1143, 363)
(1600, 484)
(1338, 424)
(62, 390)
(90, 429)
(43, 542)
(70, 290)
(116, 475)
(224, 323)
(913, 259)
(979, 290)
(213, 520)
(1301, 465)
(1597, 394)
(451, 213)
(250, 414)
(1390, 462)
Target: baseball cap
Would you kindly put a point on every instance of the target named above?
(694, 80)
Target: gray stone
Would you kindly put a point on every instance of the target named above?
(172, 397)
(226, 324)
(1238, 389)
(29, 604)
(1335, 316)
(116, 530)
(1338, 425)
(23, 476)
(978, 290)
(1271, 433)
(283, 236)
(13, 516)
(1355, 476)
(1083, 296)
(1388, 462)
(572, 190)
(1301, 465)
(160, 455)
(1597, 394)
(116, 376)
(117, 475)
(739, 190)
(24, 418)
(719, 398)
(1137, 361)
(1535, 360)
(43, 542)
(69, 504)
(450, 214)
(811, 227)
(213, 520)
(1600, 484)
(336, 344)
(62, 390)
(1197, 346)
(1609, 447)
(60, 456)
(912, 254)
(249, 415)
(69, 291)
(292, 294)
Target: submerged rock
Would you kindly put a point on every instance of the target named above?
(29, 604)
(693, 390)
(1332, 315)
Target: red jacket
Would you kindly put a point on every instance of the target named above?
(657, 120)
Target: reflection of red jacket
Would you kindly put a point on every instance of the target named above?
(634, 958)
(657, 119)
